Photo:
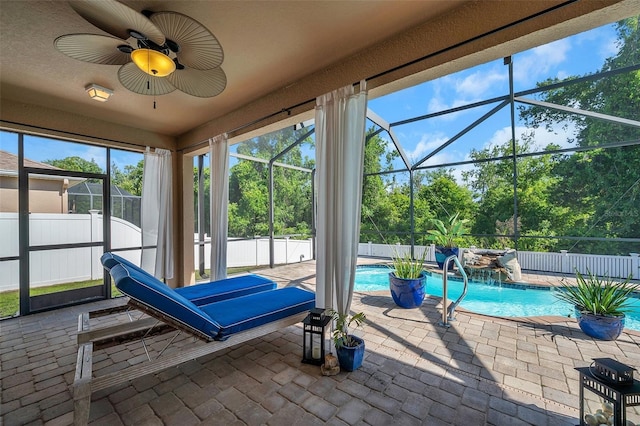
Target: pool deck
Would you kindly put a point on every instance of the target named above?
(480, 371)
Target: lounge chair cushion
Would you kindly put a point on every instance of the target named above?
(109, 260)
(202, 294)
(215, 291)
(154, 294)
(242, 313)
(216, 320)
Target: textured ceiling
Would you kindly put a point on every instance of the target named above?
(278, 57)
(267, 46)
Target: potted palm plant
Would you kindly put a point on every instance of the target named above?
(349, 348)
(600, 304)
(445, 236)
(407, 280)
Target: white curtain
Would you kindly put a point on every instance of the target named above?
(157, 214)
(219, 191)
(340, 126)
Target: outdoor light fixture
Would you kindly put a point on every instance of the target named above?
(98, 93)
(608, 394)
(313, 336)
(153, 62)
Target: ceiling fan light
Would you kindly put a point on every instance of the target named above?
(153, 62)
(98, 93)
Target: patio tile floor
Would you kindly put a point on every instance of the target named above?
(480, 371)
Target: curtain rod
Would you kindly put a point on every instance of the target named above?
(397, 68)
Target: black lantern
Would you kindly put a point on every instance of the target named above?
(313, 336)
(608, 393)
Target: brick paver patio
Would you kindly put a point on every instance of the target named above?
(481, 370)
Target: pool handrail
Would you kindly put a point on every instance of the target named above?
(447, 312)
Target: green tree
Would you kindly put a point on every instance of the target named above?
(379, 215)
(492, 183)
(249, 187)
(130, 179)
(600, 187)
(206, 180)
(76, 164)
(439, 196)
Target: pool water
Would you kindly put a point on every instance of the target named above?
(506, 300)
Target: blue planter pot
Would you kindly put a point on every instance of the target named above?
(350, 358)
(442, 253)
(599, 326)
(407, 293)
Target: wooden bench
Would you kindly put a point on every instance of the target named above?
(85, 384)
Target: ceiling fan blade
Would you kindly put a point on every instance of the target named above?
(137, 81)
(93, 48)
(117, 19)
(200, 83)
(199, 48)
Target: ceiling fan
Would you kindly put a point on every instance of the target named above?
(159, 51)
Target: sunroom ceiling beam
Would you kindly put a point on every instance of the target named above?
(384, 124)
(262, 160)
(600, 116)
(461, 133)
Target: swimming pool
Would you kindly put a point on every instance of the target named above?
(506, 300)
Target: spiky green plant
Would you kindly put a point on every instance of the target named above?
(599, 296)
(341, 335)
(407, 267)
(446, 235)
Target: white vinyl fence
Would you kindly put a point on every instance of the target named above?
(78, 264)
(255, 252)
(50, 267)
(563, 262)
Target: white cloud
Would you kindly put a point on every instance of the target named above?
(465, 88)
(437, 104)
(480, 83)
(428, 142)
(558, 135)
(97, 154)
(609, 48)
(539, 61)
(502, 136)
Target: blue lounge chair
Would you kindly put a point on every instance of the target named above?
(212, 321)
(224, 323)
(205, 293)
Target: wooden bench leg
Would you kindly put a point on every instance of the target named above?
(82, 378)
(82, 385)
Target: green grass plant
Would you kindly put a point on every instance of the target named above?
(599, 296)
(10, 300)
(406, 267)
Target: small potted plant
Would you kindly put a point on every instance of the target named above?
(349, 348)
(600, 304)
(445, 236)
(407, 280)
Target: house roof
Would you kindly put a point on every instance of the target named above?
(9, 167)
(9, 162)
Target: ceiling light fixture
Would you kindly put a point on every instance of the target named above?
(98, 93)
(153, 62)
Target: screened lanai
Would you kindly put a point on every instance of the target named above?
(88, 196)
(541, 162)
(514, 164)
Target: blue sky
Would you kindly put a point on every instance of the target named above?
(42, 149)
(576, 55)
